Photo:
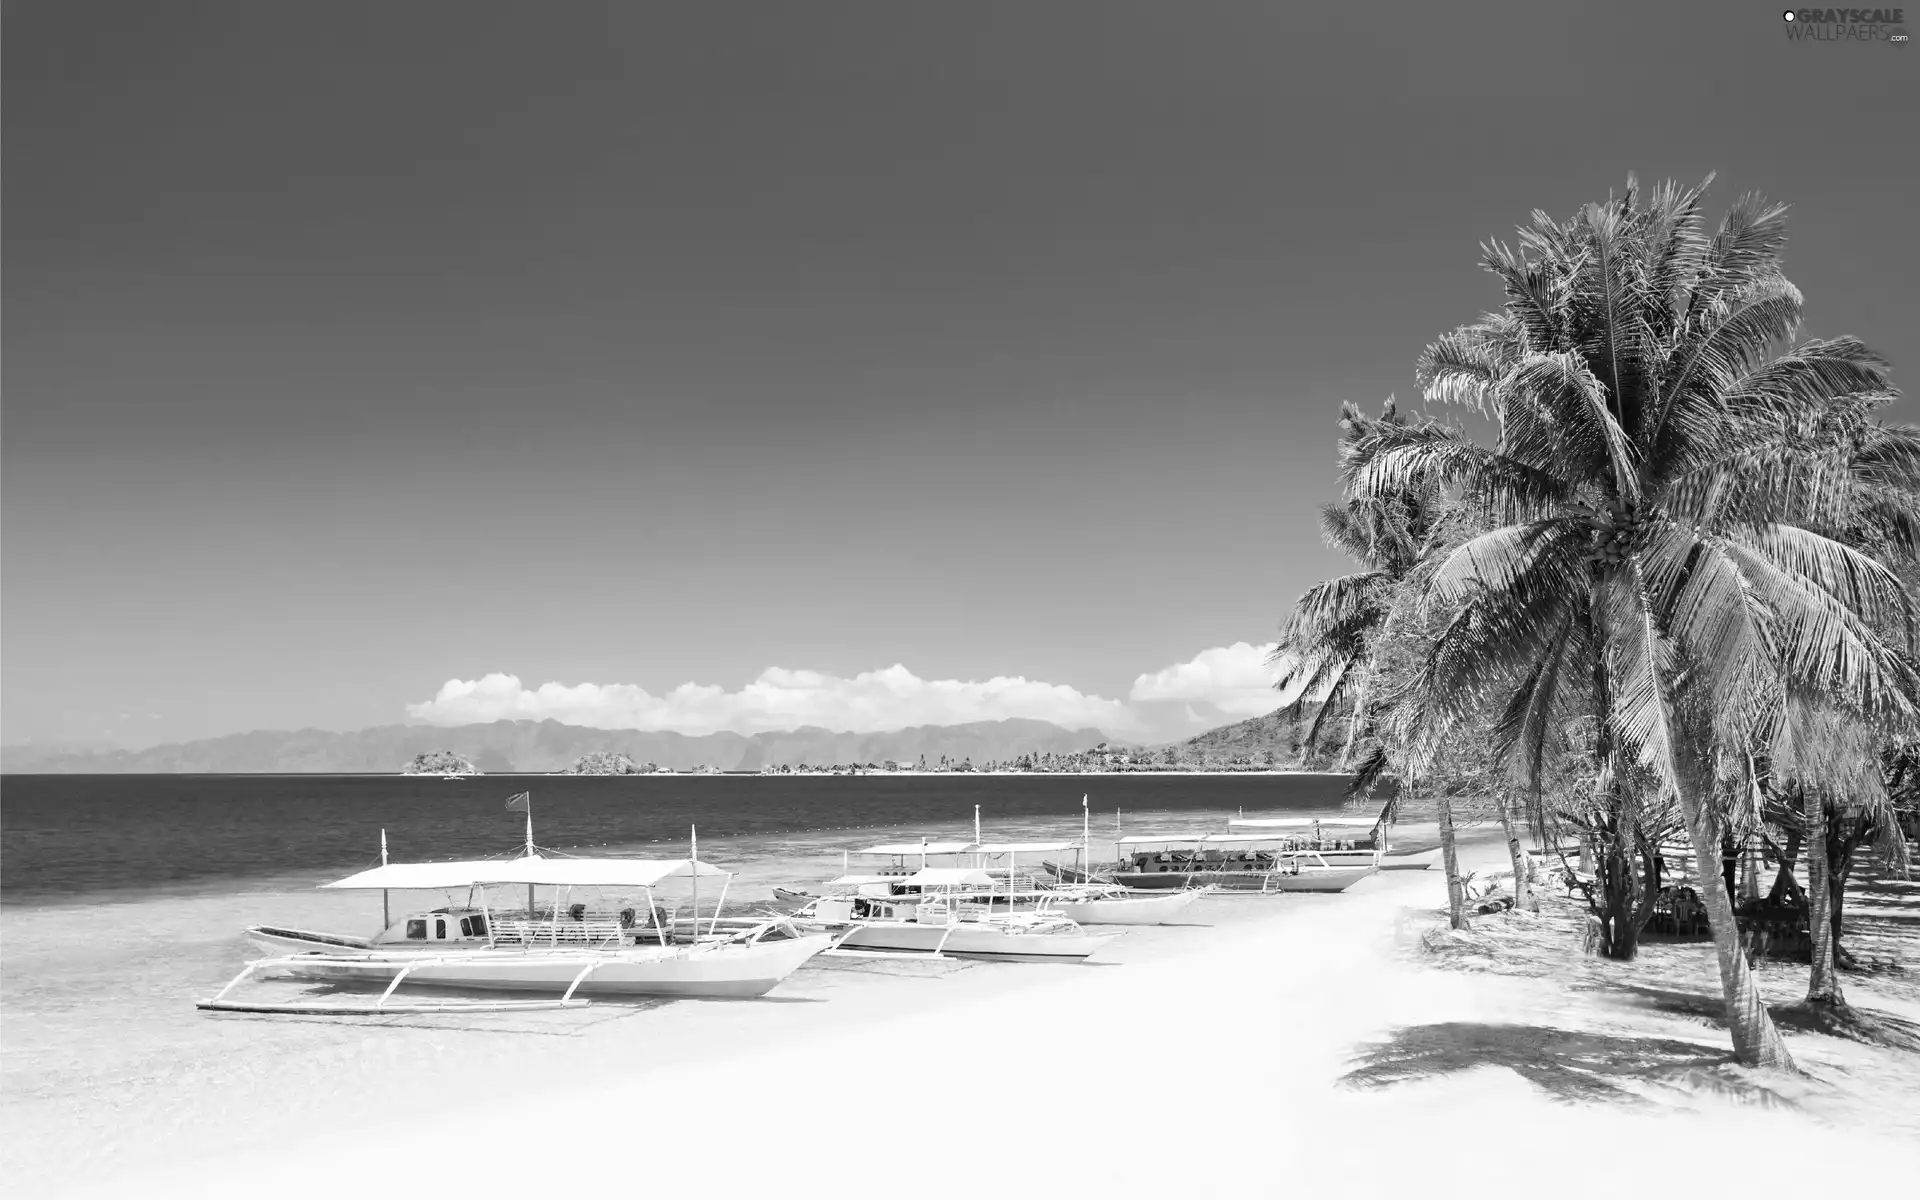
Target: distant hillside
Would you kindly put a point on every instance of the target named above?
(440, 762)
(506, 746)
(602, 763)
(1273, 733)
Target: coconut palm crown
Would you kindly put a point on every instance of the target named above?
(1657, 487)
(1665, 501)
(1327, 643)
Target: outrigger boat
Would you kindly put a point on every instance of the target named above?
(1088, 902)
(1232, 862)
(565, 949)
(1340, 841)
(986, 877)
(1097, 904)
(934, 918)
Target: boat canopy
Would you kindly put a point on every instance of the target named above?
(1299, 823)
(948, 877)
(531, 868)
(859, 880)
(1025, 847)
(904, 848)
(1199, 839)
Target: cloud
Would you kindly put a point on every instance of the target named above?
(893, 698)
(1233, 679)
(1215, 687)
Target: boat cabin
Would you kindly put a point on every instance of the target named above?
(574, 925)
(1316, 833)
(1208, 853)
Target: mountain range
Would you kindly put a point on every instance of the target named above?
(535, 746)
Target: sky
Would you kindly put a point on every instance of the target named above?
(753, 365)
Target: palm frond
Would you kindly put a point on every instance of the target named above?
(1639, 660)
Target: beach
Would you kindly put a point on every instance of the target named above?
(1223, 1051)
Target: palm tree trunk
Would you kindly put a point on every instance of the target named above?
(1353, 722)
(1450, 858)
(1516, 854)
(1783, 883)
(1620, 888)
(1823, 983)
(1837, 875)
(1756, 1042)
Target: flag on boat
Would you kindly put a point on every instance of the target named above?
(519, 803)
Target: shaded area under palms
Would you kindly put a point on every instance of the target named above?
(1571, 1066)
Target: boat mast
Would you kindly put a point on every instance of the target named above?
(1086, 841)
(529, 851)
(386, 917)
(693, 832)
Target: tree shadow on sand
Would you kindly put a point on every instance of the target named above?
(1571, 1067)
(1867, 1026)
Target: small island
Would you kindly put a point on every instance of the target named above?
(606, 762)
(439, 762)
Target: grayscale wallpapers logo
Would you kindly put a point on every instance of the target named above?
(1846, 25)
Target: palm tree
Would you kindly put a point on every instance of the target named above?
(1657, 558)
(1857, 476)
(1327, 646)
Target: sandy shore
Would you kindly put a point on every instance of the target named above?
(1220, 1053)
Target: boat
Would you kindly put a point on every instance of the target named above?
(1098, 905)
(933, 918)
(981, 877)
(1341, 841)
(792, 896)
(1232, 862)
(566, 948)
(1087, 902)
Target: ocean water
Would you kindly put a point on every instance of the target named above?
(71, 837)
(124, 899)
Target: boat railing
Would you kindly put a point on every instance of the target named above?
(579, 926)
(564, 932)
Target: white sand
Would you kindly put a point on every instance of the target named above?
(1205, 1059)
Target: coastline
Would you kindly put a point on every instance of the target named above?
(1235, 1041)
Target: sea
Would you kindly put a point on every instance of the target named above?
(128, 838)
(123, 899)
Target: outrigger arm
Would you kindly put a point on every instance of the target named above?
(380, 1007)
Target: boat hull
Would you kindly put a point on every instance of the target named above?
(895, 937)
(998, 945)
(1066, 874)
(1126, 910)
(964, 939)
(1416, 860)
(1309, 879)
(713, 970)
(273, 940)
